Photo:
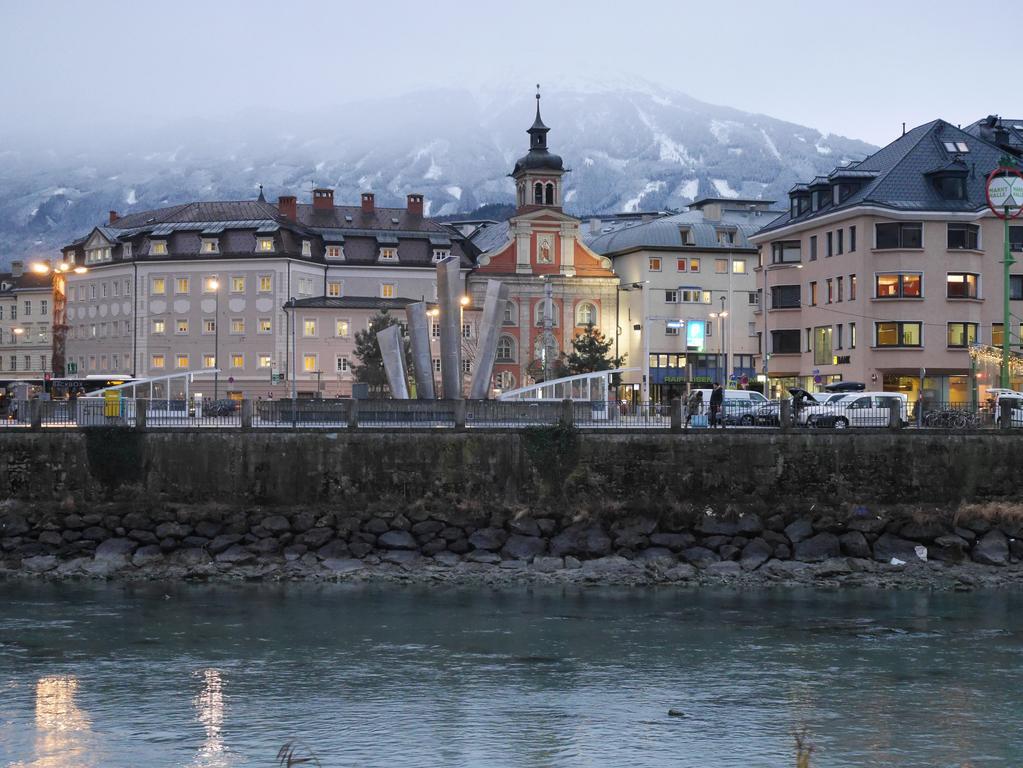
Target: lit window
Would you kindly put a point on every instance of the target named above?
(265, 283)
(181, 361)
(387, 290)
(334, 289)
(309, 328)
(739, 267)
(209, 361)
(159, 326)
(388, 254)
(237, 284)
(309, 363)
(181, 285)
(265, 244)
(158, 287)
(237, 325)
(209, 246)
(694, 265)
(899, 286)
(654, 264)
(158, 247)
(181, 326)
(237, 361)
(264, 325)
(961, 285)
(157, 361)
(335, 252)
(898, 334)
(962, 334)
(341, 329)
(264, 361)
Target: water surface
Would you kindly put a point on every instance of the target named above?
(191, 675)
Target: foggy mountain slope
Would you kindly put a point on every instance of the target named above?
(628, 148)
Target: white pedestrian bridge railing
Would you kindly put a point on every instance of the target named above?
(593, 386)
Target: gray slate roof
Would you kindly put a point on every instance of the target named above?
(665, 232)
(488, 238)
(900, 180)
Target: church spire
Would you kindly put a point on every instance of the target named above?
(538, 131)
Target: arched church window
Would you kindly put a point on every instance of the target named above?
(586, 314)
(550, 194)
(538, 193)
(506, 349)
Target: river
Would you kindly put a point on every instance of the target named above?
(194, 675)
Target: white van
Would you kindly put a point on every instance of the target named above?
(858, 409)
(740, 405)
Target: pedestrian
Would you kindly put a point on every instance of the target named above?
(717, 398)
(693, 405)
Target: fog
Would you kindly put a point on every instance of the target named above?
(98, 75)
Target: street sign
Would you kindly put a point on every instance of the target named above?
(1005, 192)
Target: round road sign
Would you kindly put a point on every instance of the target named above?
(1005, 192)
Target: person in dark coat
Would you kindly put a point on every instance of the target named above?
(717, 398)
(693, 405)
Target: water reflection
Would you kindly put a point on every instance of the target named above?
(209, 707)
(62, 728)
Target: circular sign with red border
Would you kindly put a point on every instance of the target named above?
(1004, 190)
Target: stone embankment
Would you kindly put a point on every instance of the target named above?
(975, 545)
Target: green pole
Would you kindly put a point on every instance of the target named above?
(1008, 261)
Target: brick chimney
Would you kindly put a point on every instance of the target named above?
(113, 216)
(323, 199)
(288, 206)
(368, 202)
(415, 204)
(17, 268)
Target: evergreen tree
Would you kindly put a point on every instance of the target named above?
(556, 369)
(370, 369)
(591, 352)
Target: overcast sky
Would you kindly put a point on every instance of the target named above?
(857, 69)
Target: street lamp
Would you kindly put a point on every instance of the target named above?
(213, 284)
(58, 282)
(720, 317)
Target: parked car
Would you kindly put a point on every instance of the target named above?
(861, 409)
(770, 413)
(740, 406)
(1015, 399)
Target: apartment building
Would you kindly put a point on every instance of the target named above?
(887, 270)
(26, 324)
(688, 293)
(209, 285)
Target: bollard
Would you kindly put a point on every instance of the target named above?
(246, 414)
(567, 413)
(785, 415)
(894, 417)
(141, 412)
(459, 415)
(676, 414)
(35, 413)
(353, 414)
(1005, 413)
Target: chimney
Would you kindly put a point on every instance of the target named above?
(595, 225)
(367, 202)
(113, 216)
(415, 205)
(323, 199)
(17, 268)
(288, 206)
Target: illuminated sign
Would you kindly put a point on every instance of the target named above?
(695, 336)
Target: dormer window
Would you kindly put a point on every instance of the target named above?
(265, 244)
(686, 234)
(951, 187)
(156, 248)
(388, 254)
(307, 249)
(956, 146)
(726, 236)
(97, 255)
(335, 252)
(126, 251)
(440, 253)
(209, 245)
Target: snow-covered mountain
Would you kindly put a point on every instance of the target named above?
(629, 148)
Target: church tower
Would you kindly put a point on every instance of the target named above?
(538, 173)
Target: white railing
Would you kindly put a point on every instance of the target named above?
(581, 386)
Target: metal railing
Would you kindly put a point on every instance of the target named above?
(883, 413)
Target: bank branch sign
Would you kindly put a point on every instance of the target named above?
(1005, 192)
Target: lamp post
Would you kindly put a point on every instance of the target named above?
(214, 285)
(720, 317)
(58, 278)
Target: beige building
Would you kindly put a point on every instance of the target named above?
(26, 324)
(688, 294)
(887, 271)
(206, 285)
